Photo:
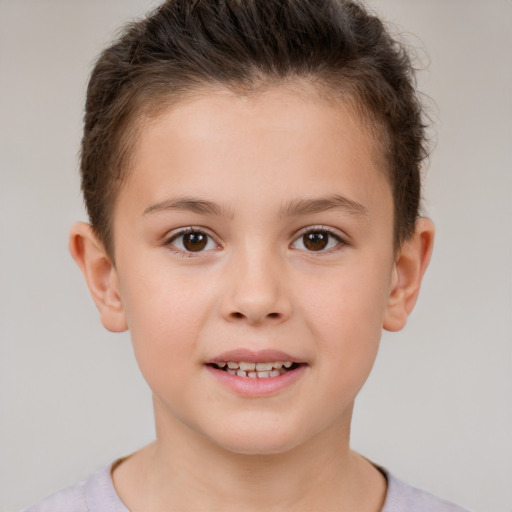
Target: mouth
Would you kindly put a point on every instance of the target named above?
(255, 370)
(259, 373)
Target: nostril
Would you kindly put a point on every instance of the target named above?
(237, 314)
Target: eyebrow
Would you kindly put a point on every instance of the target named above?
(335, 202)
(190, 204)
(294, 208)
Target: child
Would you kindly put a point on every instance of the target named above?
(251, 171)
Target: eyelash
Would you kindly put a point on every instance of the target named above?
(186, 231)
(310, 230)
(323, 230)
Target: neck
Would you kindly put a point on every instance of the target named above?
(197, 474)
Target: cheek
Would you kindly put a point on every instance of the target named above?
(345, 314)
(348, 299)
(165, 316)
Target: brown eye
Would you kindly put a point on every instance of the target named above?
(315, 241)
(193, 241)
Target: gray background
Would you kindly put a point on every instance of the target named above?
(437, 409)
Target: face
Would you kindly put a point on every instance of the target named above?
(255, 235)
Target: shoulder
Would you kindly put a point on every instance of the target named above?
(402, 497)
(96, 494)
(72, 498)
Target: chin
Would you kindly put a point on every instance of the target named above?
(258, 448)
(259, 441)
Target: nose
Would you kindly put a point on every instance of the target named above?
(255, 289)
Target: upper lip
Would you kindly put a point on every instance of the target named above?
(254, 356)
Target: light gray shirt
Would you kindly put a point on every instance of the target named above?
(97, 494)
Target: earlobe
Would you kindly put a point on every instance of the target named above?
(100, 275)
(408, 271)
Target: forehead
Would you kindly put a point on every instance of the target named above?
(279, 140)
(269, 107)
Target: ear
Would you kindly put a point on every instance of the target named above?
(100, 275)
(409, 267)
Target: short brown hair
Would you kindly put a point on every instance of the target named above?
(245, 45)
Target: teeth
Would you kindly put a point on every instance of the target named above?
(264, 367)
(247, 366)
(255, 370)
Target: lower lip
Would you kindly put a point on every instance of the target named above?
(257, 387)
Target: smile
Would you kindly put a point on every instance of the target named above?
(251, 370)
(258, 373)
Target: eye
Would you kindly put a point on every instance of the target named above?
(192, 240)
(317, 240)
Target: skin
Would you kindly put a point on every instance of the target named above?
(256, 285)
